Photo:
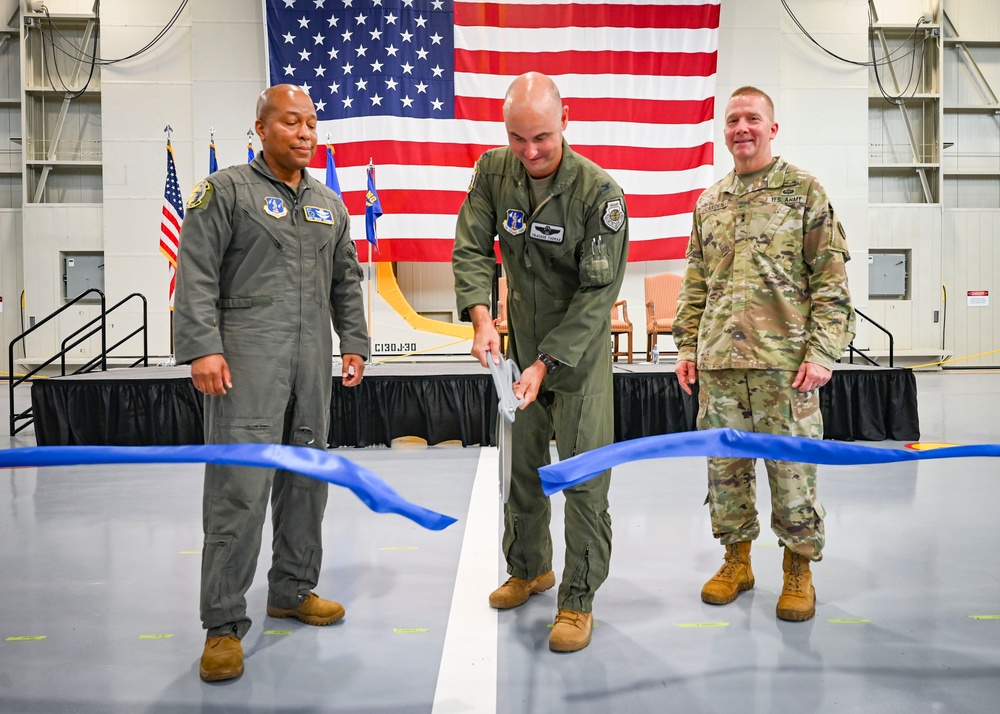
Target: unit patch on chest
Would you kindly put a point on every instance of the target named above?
(515, 222)
(547, 232)
(275, 207)
(314, 214)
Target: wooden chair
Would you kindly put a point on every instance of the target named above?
(661, 306)
(501, 322)
(620, 325)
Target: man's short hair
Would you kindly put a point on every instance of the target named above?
(749, 91)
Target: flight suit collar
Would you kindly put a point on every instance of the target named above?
(260, 166)
(566, 174)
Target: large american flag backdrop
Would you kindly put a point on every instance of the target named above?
(417, 86)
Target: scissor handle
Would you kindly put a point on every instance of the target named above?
(504, 375)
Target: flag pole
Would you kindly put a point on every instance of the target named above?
(168, 130)
(371, 303)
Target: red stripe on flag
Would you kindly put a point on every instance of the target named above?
(409, 153)
(630, 158)
(415, 201)
(513, 64)
(663, 16)
(395, 202)
(644, 111)
(672, 248)
(172, 218)
(405, 250)
(670, 204)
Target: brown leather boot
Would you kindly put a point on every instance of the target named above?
(571, 631)
(516, 591)
(798, 596)
(733, 577)
(313, 610)
(222, 658)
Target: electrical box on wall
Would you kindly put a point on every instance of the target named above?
(82, 271)
(888, 274)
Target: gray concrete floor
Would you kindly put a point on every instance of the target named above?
(103, 562)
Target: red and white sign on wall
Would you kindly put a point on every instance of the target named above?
(979, 298)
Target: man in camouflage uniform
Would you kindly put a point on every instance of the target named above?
(563, 235)
(763, 313)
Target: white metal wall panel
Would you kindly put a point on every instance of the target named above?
(971, 262)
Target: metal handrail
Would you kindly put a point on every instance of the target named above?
(74, 339)
(852, 350)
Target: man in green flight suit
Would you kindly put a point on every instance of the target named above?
(764, 312)
(563, 231)
(266, 261)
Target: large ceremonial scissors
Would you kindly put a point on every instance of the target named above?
(504, 375)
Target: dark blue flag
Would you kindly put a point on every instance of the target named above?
(331, 172)
(373, 208)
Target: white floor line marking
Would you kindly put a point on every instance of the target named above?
(467, 680)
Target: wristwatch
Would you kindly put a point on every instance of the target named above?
(551, 364)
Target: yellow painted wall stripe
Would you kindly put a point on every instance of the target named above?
(388, 288)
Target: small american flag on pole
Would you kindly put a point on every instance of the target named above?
(418, 85)
(170, 222)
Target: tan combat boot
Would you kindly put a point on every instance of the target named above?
(516, 591)
(798, 596)
(222, 658)
(571, 631)
(312, 610)
(733, 577)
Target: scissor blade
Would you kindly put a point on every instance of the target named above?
(505, 438)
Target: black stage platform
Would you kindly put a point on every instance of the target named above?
(436, 401)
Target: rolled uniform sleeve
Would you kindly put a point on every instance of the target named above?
(205, 236)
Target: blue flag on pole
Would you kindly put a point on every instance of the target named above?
(249, 151)
(213, 161)
(373, 208)
(331, 171)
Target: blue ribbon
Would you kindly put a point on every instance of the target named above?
(731, 443)
(314, 463)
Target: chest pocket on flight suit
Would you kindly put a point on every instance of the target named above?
(256, 254)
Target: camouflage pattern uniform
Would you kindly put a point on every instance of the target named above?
(565, 262)
(764, 291)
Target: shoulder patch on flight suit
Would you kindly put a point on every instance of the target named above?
(274, 206)
(315, 214)
(614, 214)
(201, 195)
(515, 222)
(475, 175)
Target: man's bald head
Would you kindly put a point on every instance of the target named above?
(532, 89)
(272, 98)
(535, 118)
